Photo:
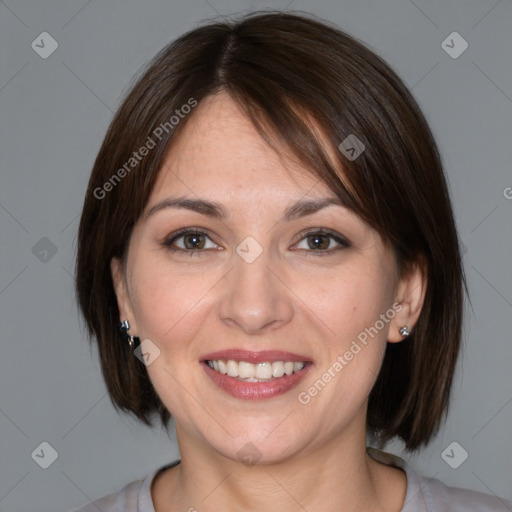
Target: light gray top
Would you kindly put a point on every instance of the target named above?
(422, 494)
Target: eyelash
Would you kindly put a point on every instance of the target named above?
(343, 243)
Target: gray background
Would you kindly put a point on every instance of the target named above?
(54, 114)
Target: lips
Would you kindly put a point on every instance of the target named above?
(255, 375)
(255, 357)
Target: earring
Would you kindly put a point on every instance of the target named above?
(133, 341)
(404, 331)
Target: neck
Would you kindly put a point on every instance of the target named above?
(337, 476)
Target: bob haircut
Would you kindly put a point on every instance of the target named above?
(294, 77)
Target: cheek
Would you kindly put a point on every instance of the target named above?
(356, 308)
(351, 301)
(170, 309)
(165, 300)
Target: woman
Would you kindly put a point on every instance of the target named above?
(267, 252)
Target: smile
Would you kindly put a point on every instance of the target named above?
(255, 375)
(259, 372)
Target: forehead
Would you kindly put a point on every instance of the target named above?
(220, 151)
(219, 157)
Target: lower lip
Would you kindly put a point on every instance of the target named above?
(255, 390)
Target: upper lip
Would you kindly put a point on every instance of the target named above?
(253, 356)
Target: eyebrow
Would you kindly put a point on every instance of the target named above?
(217, 211)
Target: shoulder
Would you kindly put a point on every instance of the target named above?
(133, 497)
(431, 495)
(441, 497)
(125, 500)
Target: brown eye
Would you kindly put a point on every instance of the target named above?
(322, 242)
(318, 241)
(189, 241)
(194, 241)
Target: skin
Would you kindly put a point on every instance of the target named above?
(292, 297)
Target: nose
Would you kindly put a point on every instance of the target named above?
(255, 298)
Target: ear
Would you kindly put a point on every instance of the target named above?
(410, 295)
(121, 290)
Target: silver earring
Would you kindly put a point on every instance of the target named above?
(133, 341)
(404, 331)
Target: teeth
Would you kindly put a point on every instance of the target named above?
(258, 372)
(222, 367)
(232, 368)
(263, 370)
(297, 367)
(246, 370)
(277, 369)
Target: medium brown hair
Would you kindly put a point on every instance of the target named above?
(289, 73)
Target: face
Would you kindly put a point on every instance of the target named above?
(299, 302)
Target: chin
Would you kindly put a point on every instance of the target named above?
(254, 448)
